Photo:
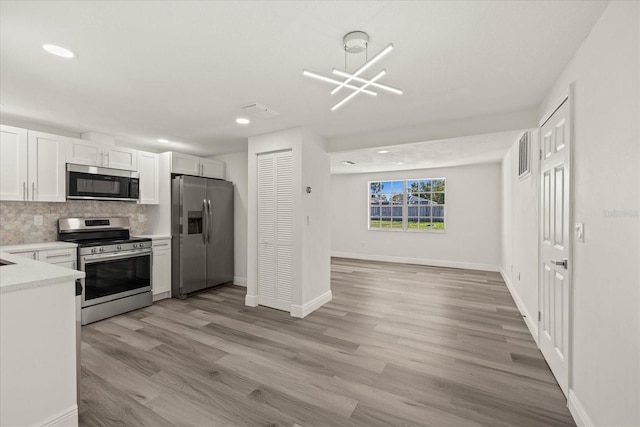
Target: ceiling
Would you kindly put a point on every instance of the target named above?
(182, 70)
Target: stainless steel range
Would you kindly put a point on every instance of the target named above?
(117, 266)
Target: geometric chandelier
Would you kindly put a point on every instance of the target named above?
(356, 42)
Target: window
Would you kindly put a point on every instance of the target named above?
(414, 204)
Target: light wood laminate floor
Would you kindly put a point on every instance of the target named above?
(399, 345)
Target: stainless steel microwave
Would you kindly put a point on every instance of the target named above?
(94, 183)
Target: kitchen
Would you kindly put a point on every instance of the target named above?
(229, 91)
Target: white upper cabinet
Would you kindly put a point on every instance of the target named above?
(148, 168)
(196, 166)
(212, 168)
(81, 152)
(186, 164)
(32, 165)
(13, 163)
(46, 167)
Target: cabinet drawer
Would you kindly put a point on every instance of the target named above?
(27, 254)
(56, 256)
(159, 244)
(67, 264)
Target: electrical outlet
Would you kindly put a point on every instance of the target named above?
(140, 218)
(37, 220)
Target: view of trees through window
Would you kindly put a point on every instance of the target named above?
(413, 204)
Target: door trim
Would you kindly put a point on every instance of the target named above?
(566, 96)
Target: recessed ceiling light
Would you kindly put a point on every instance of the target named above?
(383, 151)
(58, 50)
(163, 140)
(348, 162)
(400, 163)
(242, 121)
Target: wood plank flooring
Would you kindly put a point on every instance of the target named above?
(399, 345)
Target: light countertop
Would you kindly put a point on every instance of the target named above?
(26, 247)
(27, 274)
(155, 236)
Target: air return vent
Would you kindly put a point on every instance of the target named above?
(258, 111)
(524, 155)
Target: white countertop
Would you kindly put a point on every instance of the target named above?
(26, 247)
(154, 236)
(27, 274)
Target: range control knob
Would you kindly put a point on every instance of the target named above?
(101, 249)
(135, 245)
(93, 250)
(119, 246)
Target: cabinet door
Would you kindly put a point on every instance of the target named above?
(186, 164)
(83, 152)
(149, 174)
(212, 168)
(66, 264)
(121, 158)
(27, 254)
(46, 169)
(13, 163)
(161, 277)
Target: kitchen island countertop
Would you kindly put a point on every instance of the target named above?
(25, 273)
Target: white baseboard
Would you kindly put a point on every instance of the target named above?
(580, 416)
(161, 295)
(240, 281)
(419, 261)
(531, 321)
(251, 300)
(68, 418)
(308, 308)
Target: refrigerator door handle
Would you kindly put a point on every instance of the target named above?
(204, 221)
(211, 221)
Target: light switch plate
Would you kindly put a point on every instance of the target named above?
(580, 232)
(37, 220)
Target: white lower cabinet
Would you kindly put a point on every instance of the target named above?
(59, 253)
(161, 273)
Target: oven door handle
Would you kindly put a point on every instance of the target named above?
(117, 255)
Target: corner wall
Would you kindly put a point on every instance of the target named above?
(237, 172)
(473, 210)
(604, 377)
(519, 264)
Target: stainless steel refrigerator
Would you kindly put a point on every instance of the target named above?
(202, 234)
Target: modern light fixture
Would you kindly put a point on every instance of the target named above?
(383, 151)
(58, 51)
(242, 121)
(163, 140)
(356, 42)
(348, 162)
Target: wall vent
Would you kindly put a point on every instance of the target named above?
(258, 111)
(524, 155)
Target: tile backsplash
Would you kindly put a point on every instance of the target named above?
(17, 218)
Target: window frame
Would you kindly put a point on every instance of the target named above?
(405, 206)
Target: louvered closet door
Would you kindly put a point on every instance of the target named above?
(275, 229)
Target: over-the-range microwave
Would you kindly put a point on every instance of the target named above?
(94, 183)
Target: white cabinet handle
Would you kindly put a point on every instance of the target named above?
(107, 155)
(162, 244)
(33, 191)
(24, 191)
(101, 159)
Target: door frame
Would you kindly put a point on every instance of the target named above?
(566, 96)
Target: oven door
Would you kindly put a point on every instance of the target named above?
(115, 275)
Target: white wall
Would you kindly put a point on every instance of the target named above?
(473, 209)
(237, 172)
(316, 236)
(604, 384)
(310, 167)
(519, 264)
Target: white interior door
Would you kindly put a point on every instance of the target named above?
(275, 230)
(555, 278)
